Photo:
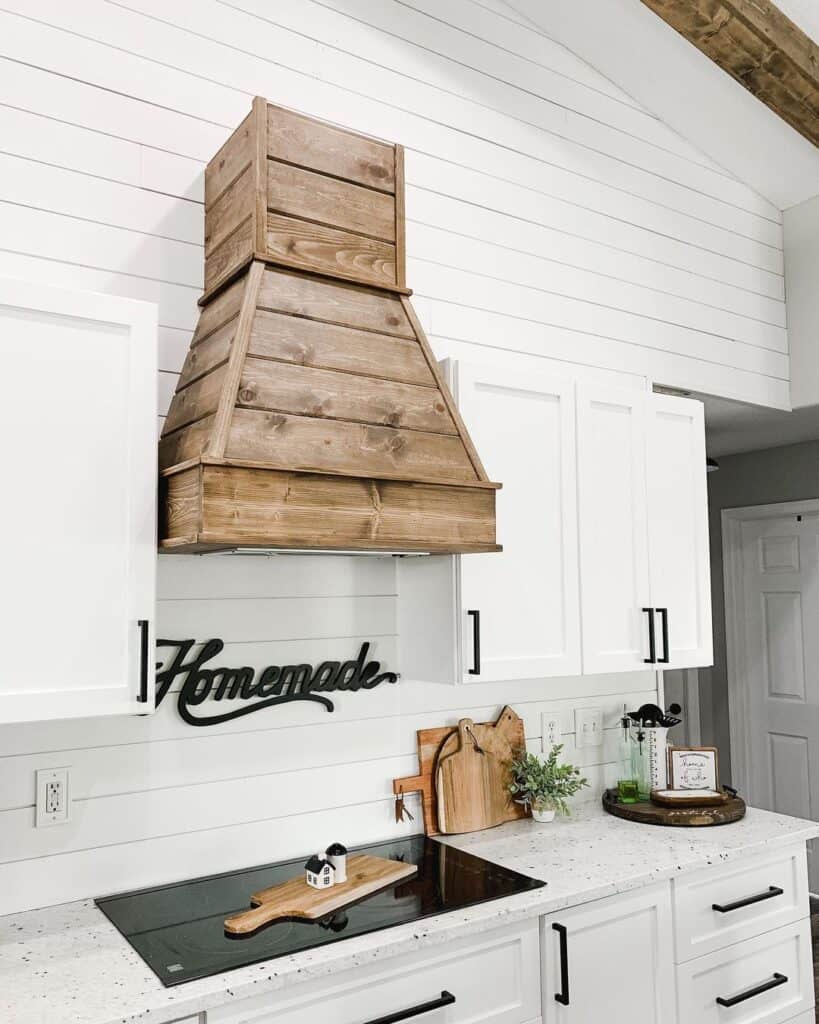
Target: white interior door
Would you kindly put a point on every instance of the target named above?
(527, 596)
(678, 531)
(78, 416)
(780, 612)
(613, 529)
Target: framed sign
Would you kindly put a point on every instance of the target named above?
(693, 768)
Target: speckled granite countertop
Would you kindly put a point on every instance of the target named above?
(69, 965)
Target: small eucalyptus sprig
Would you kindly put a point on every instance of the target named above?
(534, 779)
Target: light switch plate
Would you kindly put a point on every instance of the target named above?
(588, 726)
(53, 797)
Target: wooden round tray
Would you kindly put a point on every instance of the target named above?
(686, 817)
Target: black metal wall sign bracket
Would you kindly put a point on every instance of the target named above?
(276, 684)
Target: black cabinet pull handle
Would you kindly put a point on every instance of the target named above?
(476, 642)
(563, 995)
(142, 697)
(766, 986)
(770, 893)
(652, 640)
(663, 613)
(445, 999)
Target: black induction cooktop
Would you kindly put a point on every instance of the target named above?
(178, 929)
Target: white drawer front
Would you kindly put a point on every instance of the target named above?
(808, 1017)
(700, 929)
(495, 980)
(739, 970)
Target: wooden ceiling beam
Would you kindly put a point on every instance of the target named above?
(758, 46)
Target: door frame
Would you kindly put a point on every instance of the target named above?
(735, 650)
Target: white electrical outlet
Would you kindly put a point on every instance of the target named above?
(588, 727)
(53, 798)
(550, 731)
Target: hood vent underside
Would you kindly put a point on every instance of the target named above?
(310, 412)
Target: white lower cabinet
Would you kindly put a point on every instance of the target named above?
(764, 980)
(610, 961)
(494, 979)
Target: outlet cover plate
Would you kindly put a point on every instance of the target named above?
(588, 725)
(53, 797)
(550, 731)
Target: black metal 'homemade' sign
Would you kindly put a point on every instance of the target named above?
(276, 684)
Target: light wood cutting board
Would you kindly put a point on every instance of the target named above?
(463, 784)
(366, 875)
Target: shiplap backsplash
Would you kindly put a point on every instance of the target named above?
(549, 218)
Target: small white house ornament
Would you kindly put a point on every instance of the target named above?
(319, 873)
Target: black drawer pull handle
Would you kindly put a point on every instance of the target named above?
(446, 999)
(652, 640)
(663, 613)
(563, 995)
(771, 892)
(476, 642)
(143, 661)
(766, 986)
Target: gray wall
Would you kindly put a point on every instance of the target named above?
(752, 478)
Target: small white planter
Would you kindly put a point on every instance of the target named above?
(543, 815)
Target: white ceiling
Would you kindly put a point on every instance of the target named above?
(636, 50)
(733, 427)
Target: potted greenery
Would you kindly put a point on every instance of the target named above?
(544, 785)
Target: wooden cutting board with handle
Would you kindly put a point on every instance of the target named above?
(463, 783)
(504, 737)
(366, 875)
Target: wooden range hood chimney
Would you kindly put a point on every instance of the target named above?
(310, 412)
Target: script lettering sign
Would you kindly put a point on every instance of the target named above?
(276, 684)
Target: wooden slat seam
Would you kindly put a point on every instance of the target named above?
(335, 323)
(260, 172)
(336, 369)
(253, 407)
(279, 212)
(275, 159)
(400, 220)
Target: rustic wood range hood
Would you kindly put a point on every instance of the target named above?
(310, 412)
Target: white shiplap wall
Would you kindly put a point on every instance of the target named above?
(548, 216)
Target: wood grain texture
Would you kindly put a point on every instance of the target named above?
(310, 444)
(333, 301)
(185, 444)
(232, 207)
(208, 354)
(400, 220)
(233, 157)
(322, 147)
(463, 785)
(233, 373)
(296, 900)
(219, 310)
(648, 813)
(227, 257)
(295, 339)
(759, 47)
(181, 505)
(432, 741)
(341, 204)
(326, 250)
(196, 400)
(307, 391)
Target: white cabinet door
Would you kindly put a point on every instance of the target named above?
(521, 605)
(610, 961)
(614, 574)
(78, 418)
(678, 531)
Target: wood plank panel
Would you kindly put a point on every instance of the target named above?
(195, 401)
(223, 307)
(180, 503)
(232, 207)
(322, 147)
(301, 193)
(224, 260)
(230, 161)
(307, 510)
(184, 444)
(335, 446)
(306, 391)
(310, 246)
(312, 343)
(208, 354)
(333, 301)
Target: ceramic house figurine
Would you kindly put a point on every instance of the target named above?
(319, 872)
(337, 855)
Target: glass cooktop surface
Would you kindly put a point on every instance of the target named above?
(178, 929)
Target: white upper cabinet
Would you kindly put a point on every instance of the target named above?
(527, 596)
(78, 415)
(514, 614)
(678, 531)
(603, 519)
(613, 541)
